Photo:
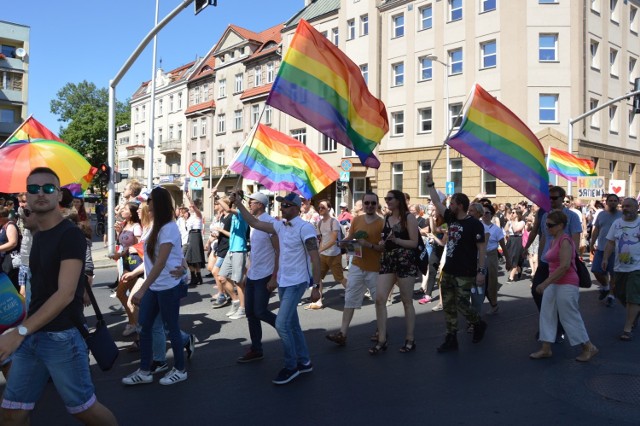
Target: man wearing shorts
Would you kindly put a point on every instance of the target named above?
(48, 343)
(599, 241)
(364, 271)
(624, 236)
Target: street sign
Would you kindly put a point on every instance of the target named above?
(346, 165)
(450, 188)
(196, 169)
(195, 184)
(344, 176)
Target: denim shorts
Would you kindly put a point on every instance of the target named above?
(64, 356)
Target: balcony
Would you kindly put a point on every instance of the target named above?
(217, 172)
(135, 152)
(12, 63)
(9, 95)
(170, 146)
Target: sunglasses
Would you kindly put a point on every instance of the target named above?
(47, 188)
(370, 203)
(554, 197)
(551, 225)
(285, 205)
(389, 198)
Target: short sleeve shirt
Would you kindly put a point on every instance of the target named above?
(295, 265)
(604, 220)
(262, 252)
(495, 235)
(326, 228)
(626, 236)
(370, 260)
(462, 249)
(238, 238)
(169, 234)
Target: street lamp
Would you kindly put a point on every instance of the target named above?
(447, 123)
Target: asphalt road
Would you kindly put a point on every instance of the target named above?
(493, 382)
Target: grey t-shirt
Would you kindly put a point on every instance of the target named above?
(603, 222)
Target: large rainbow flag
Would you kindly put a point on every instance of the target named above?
(495, 139)
(32, 129)
(280, 162)
(569, 166)
(319, 85)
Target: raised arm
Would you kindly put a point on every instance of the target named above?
(433, 193)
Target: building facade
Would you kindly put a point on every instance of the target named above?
(14, 76)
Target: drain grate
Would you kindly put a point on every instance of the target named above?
(617, 387)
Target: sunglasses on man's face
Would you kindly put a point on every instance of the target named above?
(554, 197)
(47, 188)
(551, 225)
(285, 205)
(370, 203)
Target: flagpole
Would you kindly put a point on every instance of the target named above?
(15, 131)
(253, 135)
(446, 139)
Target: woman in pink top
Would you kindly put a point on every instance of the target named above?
(560, 293)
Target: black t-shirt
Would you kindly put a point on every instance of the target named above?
(462, 251)
(223, 240)
(63, 241)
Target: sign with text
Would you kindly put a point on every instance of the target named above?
(617, 187)
(591, 187)
(344, 176)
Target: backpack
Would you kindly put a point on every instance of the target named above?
(11, 260)
(583, 272)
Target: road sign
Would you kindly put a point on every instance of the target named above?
(346, 165)
(195, 184)
(196, 169)
(344, 176)
(450, 188)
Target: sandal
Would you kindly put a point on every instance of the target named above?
(314, 306)
(374, 337)
(377, 348)
(626, 336)
(338, 338)
(409, 345)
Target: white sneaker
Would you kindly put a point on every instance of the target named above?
(129, 329)
(138, 377)
(234, 308)
(239, 314)
(173, 376)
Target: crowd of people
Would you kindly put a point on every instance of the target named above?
(369, 251)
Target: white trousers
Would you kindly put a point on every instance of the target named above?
(562, 300)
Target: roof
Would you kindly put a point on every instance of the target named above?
(256, 91)
(270, 35)
(313, 10)
(205, 69)
(200, 107)
(174, 75)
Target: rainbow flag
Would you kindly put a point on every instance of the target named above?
(319, 85)
(569, 166)
(32, 129)
(495, 139)
(280, 162)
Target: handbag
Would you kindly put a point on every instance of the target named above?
(99, 341)
(584, 275)
(422, 253)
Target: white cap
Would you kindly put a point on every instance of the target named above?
(343, 204)
(261, 198)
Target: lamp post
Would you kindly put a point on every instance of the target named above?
(447, 121)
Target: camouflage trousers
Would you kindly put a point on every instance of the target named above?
(456, 293)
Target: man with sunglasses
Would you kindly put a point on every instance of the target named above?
(364, 271)
(48, 343)
(297, 259)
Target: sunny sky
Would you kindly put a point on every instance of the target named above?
(75, 40)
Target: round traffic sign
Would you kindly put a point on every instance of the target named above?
(346, 165)
(196, 169)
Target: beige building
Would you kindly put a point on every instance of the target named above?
(14, 76)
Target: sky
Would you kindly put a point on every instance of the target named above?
(76, 40)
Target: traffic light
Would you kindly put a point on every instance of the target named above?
(636, 98)
(104, 174)
(201, 4)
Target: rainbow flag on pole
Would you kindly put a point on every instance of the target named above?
(569, 166)
(280, 162)
(319, 85)
(495, 139)
(32, 129)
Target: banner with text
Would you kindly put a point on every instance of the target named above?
(591, 187)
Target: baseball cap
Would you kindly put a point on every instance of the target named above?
(290, 198)
(260, 197)
(343, 204)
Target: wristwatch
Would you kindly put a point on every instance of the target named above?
(482, 271)
(23, 331)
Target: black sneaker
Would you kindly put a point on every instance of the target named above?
(450, 344)
(285, 376)
(478, 331)
(602, 294)
(158, 367)
(190, 346)
(305, 368)
(250, 356)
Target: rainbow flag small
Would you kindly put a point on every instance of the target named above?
(319, 85)
(495, 139)
(569, 166)
(280, 162)
(32, 129)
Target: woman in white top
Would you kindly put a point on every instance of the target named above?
(195, 249)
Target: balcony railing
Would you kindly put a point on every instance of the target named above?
(217, 171)
(172, 145)
(135, 152)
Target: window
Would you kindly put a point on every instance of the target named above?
(7, 116)
(396, 176)
(632, 69)
(237, 119)
(633, 21)
(612, 168)
(397, 73)
(488, 183)
(632, 124)
(159, 107)
(595, 58)
(397, 123)
(426, 17)
(423, 168)
(595, 6)
(222, 88)
(426, 69)
(487, 5)
(548, 108)
(364, 25)
(221, 123)
(238, 83)
(255, 114)
(425, 122)
(349, 153)
(171, 132)
(364, 69)
(455, 61)
(489, 55)
(548, 1)
(328, 144)
(594, 119)
(548, 47)
(144, 112)
(205, 92)
(300, 135)
(455, 10)
(613, 119)
(455, 169)
(335, 39)
(194, 128)
(268, 114)
(203, 158)
(171, 103)
(159, 135)
(179, 101)
(397, 23)
(613, 63)
(196, 95)
(203, 127)
(613, 11)
(351, 29)
(180, 131)
(455, 116)
(270, 72)
(137, 115)
(257, 76)
(220, 158)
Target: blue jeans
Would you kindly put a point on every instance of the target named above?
(159, 340)
(167, 304)
(256, 301)
(288, 326)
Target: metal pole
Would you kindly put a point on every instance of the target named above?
(570, 149)
(111, 187)
(152, 109)
(447, 118)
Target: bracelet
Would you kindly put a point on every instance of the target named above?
(431, 185)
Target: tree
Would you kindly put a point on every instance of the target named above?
(85, 110)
